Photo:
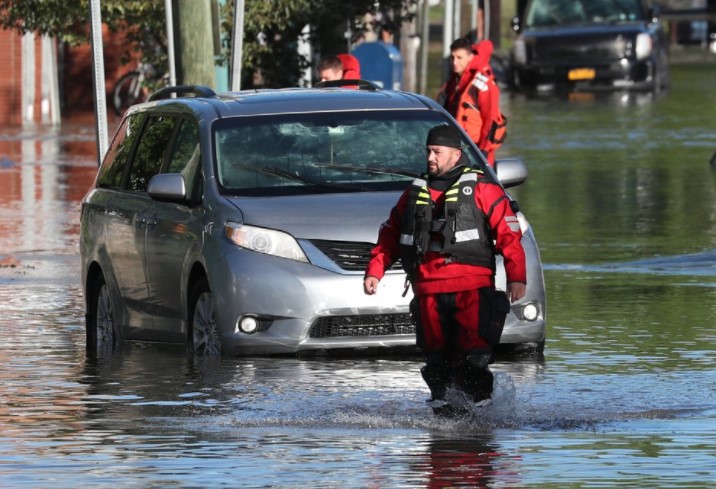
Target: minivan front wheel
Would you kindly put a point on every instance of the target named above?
(101, 330)
(203, 332)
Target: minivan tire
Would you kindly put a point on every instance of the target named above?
(203, 337)
(100, 323)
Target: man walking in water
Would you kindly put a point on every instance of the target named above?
(446, 229)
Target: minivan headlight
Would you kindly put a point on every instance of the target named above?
(643, 45)
(265, 240)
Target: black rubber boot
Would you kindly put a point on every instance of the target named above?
(436, 375)
(474, 378)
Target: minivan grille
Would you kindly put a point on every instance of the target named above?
(364, 325)
(349, 255)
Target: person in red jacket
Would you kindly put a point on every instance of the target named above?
(351, 66)
(446, 229)
(472, 96)
(339, 67)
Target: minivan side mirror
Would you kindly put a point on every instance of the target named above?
(511, 171)
(167, 187)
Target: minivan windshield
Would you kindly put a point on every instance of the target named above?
(545, 13)
(324, 152)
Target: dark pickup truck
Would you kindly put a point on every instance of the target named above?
(589, 44)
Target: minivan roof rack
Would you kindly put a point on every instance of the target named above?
(197, 90)
(361, 84)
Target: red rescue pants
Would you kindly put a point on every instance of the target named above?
(447, 323)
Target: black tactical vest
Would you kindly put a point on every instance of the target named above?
(459, 229)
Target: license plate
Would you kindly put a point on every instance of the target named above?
(581, 74)
(581, 96)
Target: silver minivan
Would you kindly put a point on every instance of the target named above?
(241, 223)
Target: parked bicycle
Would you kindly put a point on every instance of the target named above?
(134, 87)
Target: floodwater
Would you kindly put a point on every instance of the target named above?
(621, 197)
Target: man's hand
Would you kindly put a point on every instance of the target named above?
(516, 291)
(370, 285)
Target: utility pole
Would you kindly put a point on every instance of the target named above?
(494, 25)
(237, 46)
(194, 40)
(409, 45)
(100, 97)
(424, 44)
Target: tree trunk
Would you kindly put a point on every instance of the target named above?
(194, 41)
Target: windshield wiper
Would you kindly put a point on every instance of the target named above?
(377, 169)
(272, 170)
(391, 171)
(278, 172)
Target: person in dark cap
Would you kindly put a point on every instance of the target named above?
(446, 229)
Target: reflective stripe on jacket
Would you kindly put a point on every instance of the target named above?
(459, 229)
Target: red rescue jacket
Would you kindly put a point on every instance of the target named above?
(473, 99)
(351, 66)
(435, 274)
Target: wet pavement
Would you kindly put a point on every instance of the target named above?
(621, 198)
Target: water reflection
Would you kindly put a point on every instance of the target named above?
(589, 100)
(470, 462)
(618, 183)
(45, 174)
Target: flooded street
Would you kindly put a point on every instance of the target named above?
(621, 198)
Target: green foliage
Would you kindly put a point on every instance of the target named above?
(68, 21)
(271, 28)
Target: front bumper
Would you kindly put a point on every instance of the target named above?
(622, 74)
(288, 297)
(291, 299)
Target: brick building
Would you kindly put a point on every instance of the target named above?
(21, 79)
(45, 167)
(43, 81)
